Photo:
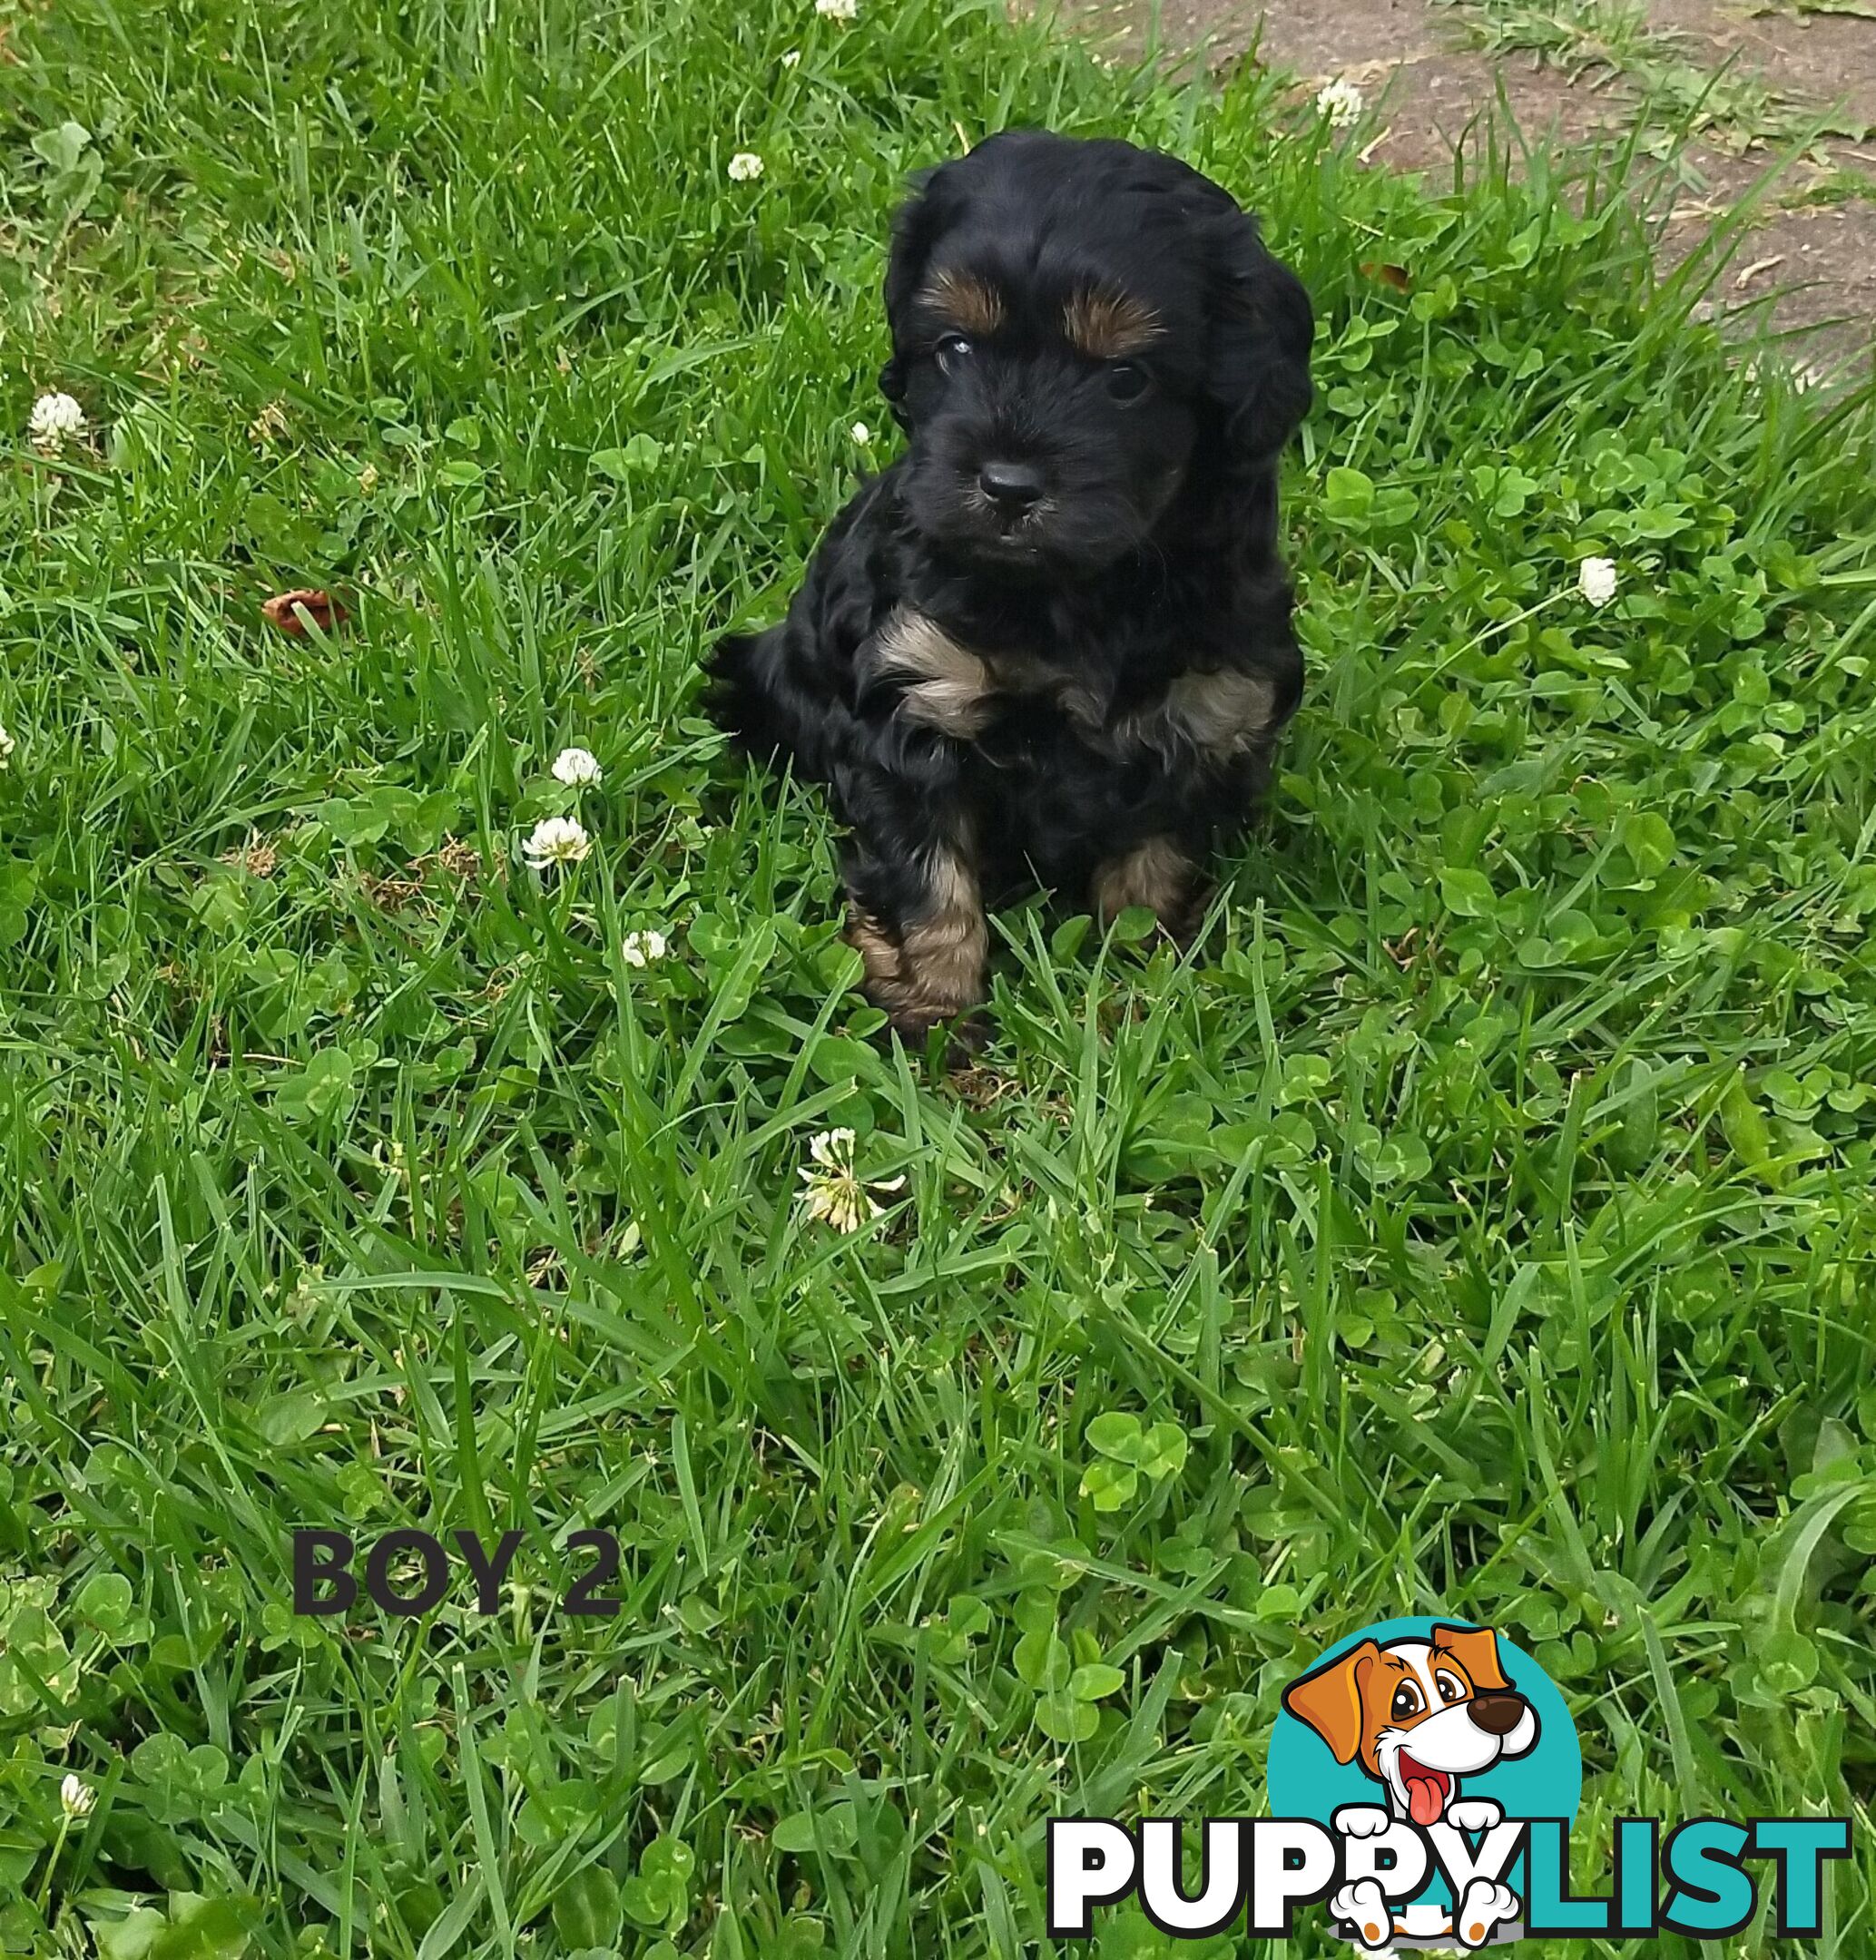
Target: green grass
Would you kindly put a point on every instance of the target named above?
(1485, 1202)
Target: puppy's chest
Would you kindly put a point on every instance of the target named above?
(977, 696)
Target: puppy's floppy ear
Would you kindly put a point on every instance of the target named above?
(1476, 1649)
(1258, 358)
(915, 229)
(1330, 1700)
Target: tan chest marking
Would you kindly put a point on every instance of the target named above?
(950, 688)
(947, 686)
(1218, 715)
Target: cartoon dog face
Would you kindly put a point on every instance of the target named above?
(1418, 1714)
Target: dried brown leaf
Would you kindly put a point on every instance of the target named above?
(284, 610)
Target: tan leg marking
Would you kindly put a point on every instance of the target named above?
(1221, 712)
(934, 968)
(1214, 715)
(1156, 874)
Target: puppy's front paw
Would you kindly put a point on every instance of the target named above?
(1158, 875)
(1360, 1820)
(965, 1037)
(1483, 1906)
(1363, 1906)
(968, 1039)
(927, 966)
(1474, 1813)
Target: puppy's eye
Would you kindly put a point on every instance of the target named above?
(1127, 381)
(1407, 1702)
(952, 350)
(1449, 1685)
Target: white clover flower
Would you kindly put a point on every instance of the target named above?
(76, 1797)
(557, 841)
(1339, 103)
(7, 745)
(861, 434)
(839, 10)
(745, 167)
(792, 59)
(578, 769)
(1596, 580)
(269, 425)
(641, 948)
(1763, 370)
(56, 420)
(834, 1192)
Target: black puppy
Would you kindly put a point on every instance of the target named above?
(1053, 641)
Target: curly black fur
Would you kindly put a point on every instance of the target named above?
(1051, 643)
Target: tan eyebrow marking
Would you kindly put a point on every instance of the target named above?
(970, 304)
(1105, 325)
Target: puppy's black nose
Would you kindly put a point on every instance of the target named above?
(1015, 486)
(1496, 1714)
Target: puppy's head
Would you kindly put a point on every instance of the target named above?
(1079, 330)
(1418, 1714)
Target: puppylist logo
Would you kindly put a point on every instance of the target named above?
(1424, 1776)
(1428, 1748)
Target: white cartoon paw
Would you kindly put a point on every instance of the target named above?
(1483, 1905)
(1364, 1906)
(1474, 1813)
(1360, 1820)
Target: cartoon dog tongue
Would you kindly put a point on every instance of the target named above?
(1425, 1794)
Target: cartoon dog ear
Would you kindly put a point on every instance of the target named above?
(1476, 1649)
(1258, 361)
(1330, 1700)
(916, 228)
